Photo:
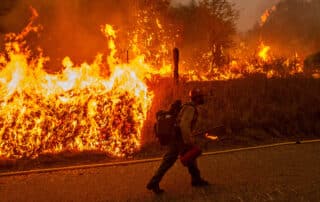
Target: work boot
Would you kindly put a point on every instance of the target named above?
(155, 188)
(199, 183)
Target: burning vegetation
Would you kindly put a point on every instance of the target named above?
(74, 110)
(103, 105)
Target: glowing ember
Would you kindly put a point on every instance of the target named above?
(75, 110)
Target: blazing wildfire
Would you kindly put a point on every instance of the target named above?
(76, 109)
(52, 101)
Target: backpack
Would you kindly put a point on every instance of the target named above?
(166, 124)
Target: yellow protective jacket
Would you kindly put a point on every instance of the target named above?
(186, 121)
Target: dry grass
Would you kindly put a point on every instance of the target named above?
(254, 107)
(254, 110)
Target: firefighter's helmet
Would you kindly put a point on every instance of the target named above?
(196, 92)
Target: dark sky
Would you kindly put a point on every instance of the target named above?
(250, 10)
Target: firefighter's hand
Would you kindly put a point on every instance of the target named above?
(211, 137)
(199, 132)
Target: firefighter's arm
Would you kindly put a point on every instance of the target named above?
(185, 124)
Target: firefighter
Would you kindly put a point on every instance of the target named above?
(183, 139)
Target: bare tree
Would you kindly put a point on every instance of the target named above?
(208, 27)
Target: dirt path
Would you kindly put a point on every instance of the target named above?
(287, 173)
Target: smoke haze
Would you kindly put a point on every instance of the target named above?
(69, 27)
(72, 27)
(250, 10)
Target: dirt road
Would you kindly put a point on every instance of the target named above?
(286, 173)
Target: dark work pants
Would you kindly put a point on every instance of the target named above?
(169, 159)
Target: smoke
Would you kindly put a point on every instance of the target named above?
(69, 27)
(294, 27)
(176, 3)
(72, 17)
(250, 11)
(73, 27)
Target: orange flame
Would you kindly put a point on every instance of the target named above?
(263, 53)
(265, 16)
(75, 110)
(79, 109)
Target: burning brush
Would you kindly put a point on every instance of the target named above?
(75, 110)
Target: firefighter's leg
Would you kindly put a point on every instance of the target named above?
(196, 179)
(194, 171)
(168, 160)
